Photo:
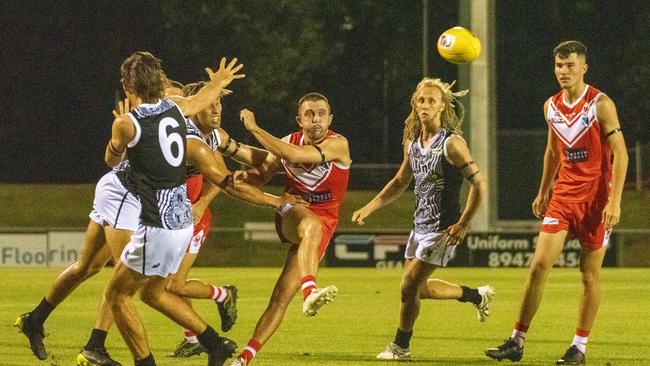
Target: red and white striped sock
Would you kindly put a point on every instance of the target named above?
(190, 336)
(218, 294)
(519, 333)
(250, 351)
(580, 339)
(308, 283)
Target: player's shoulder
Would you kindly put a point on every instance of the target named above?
(335, 136)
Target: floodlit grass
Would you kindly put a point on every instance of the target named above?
(68, 205)
(359, 323)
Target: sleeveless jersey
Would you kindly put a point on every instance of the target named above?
(322, 185)
(437, 184)
(585, 157)
(156, 168)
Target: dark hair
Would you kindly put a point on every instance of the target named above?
(566, 48)
(312, 97)
(142, 74)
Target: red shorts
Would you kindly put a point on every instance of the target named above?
(582, 220)
(328, 232)
(194, 187)
(201, 231)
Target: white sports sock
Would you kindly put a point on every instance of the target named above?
(580, 343)
(519, 337)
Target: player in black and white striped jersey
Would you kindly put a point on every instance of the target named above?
(155, 136)
(438, 158)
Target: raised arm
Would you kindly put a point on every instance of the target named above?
(611, 127)
(551, 166)
(460, 156)
(331, 149)
(199, 155)
(211, 91)
(393, 189)
(122, 132)
(239, 152)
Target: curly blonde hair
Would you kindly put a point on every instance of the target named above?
(450, 118)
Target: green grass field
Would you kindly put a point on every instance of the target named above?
(359, 323)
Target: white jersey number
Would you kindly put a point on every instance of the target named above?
(168, 140)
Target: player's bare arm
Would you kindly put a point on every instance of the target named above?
(212, 90)
(122, 132)
(208, 193)
(393, 190)
(460, 156)
(261, 174)
(242, 153)
(549, 171)
(611, 127)
(330, 149)
(201, 156)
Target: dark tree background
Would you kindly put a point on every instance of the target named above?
(59, 67)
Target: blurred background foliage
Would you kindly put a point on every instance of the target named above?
(60, 67)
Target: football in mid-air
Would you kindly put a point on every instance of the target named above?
(458, 45)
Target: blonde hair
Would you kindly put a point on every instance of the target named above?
(449, 117)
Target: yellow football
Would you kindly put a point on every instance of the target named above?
(458, 45)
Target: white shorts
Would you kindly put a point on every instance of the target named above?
(431, 248)
(196, 242)
(155, 251)
(114, 205)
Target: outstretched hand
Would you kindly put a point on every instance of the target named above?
(122, 108)
(359, 215)
(226, 74)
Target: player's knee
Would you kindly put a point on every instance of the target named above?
(149, 297)
(590, 278)
(310, 227)
(176, 287)
(426, 292)
(409, 287)
(539, 268)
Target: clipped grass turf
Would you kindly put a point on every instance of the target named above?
(359, 323)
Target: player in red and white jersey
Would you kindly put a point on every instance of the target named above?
(323, 185)
(586, 152)
(316, 162)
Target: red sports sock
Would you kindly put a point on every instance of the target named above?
(521, 327)
(190, 336)
(249, 352)
(308, 283)
(218, 294)
(582, 332)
